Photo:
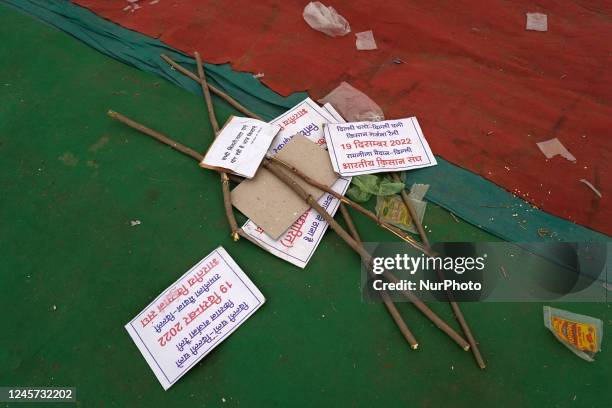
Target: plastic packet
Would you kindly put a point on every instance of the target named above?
(353, 105)
(325, 19)
(580, 333)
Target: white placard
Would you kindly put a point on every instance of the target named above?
(300, 241)
(373, 147)
(192, 316)
(240, 146)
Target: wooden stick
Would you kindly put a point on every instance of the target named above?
(396, 231)
(213, 89)
(454, 305)
(423, 308)
(206, 92)
(412, 212)
(227, 198)
(350, 225)
(156, 135)
(466, 331)
(395, 315)
(366, 258)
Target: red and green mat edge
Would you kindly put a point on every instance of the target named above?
(464, 193)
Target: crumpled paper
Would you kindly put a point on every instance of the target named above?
(365, 41)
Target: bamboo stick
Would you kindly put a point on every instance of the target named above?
(206, 93)
(390, 306)
(422, 307)
(155, 135)
(412, 212)
(225, 188)
(213, 88)
(454, 305)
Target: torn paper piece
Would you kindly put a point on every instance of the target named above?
(269, 202)
(392, 210)
(374, 147)
(306, 118)
(554, 147)
(365, 41)
(537, 22)
(591, 186)
(240, 146)
(194, 315)
(353, 105)
(298, 244)
(325, 19)
(579, 333)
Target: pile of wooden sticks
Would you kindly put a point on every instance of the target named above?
(276, 166)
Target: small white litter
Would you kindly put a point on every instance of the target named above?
(258, 75)
(554, 147)
(325, 19)
(591, 186)
(537, 22)
(365, 41)
(134, 223)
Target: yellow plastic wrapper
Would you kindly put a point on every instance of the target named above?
(579, 333)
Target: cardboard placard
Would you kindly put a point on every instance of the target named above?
(269, 202)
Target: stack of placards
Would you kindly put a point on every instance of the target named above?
(298, 243)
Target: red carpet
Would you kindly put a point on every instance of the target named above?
(484, 89)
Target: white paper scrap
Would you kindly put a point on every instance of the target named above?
(553, 147)
(240, 146)
(365, 41)
(537, 22)
(372, 147)
(194, 315)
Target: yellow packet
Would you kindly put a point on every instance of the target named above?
(581, 334)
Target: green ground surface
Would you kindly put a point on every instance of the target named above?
(73, 271)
